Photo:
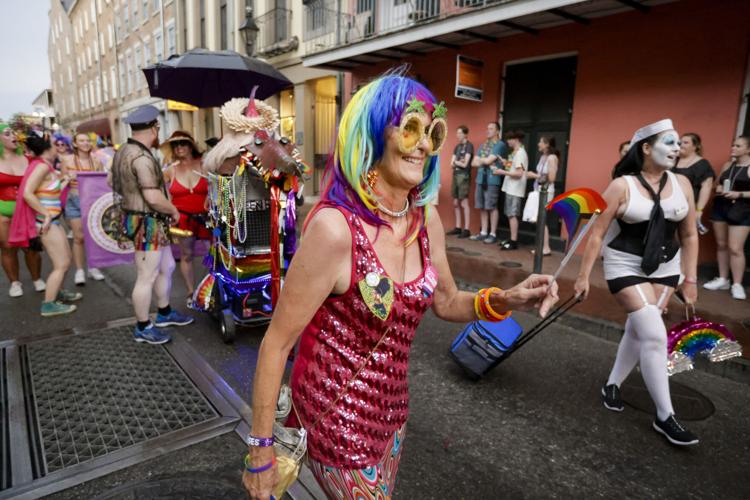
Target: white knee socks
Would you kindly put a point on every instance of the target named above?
(628, 354)
(648, 327)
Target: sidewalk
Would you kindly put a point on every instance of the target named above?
(476, 262)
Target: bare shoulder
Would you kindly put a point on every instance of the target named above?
(434, 224)
(328, 226)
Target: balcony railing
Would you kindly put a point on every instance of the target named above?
(327, 28)
(275, 36)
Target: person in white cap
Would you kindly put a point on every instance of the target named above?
(141, 194)
(655, 227)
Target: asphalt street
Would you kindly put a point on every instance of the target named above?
(534, 428)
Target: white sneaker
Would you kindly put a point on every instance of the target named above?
(40, 285)
(80, 277)
(95, 274)
(738, 292)
(16, 289)
(717, 284)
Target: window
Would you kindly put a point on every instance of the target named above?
(59, 59)
(70, 74)
(158, 45)
(126, 17)
(286, 113)
(105, 88)
(102, 47)
(88, 55)
(91, 93)
(118, 27)
(110, 35)
(135, 14)
(145, 10)
(80, 98)
(67, 45)
(129, 71)
(147, 51)
(99, 5)
(96, 50)
(223, 25)
(86, 20)
(98, 91)
(113, 81)
(202, 13)
(121, 66)
(138, 65)
(93, 12)
(156, 5)
(171, 39)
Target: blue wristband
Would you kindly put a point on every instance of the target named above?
(262, 468)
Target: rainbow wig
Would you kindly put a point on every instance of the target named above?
(19, 149)
(360, 145)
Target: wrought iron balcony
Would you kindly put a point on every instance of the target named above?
(275, 36)
(328, 28)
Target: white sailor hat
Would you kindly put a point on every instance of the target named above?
(652, 129)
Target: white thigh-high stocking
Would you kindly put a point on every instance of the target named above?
(648, 326)
(628, 354)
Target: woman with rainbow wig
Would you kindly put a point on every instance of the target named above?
(13, 165)
(371, 261)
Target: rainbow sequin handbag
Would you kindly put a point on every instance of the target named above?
(697, 335)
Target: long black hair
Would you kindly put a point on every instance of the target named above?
(632, 162)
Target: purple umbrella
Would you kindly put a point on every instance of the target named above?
(206, 78)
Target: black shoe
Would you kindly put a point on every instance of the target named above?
(464, 234)
(509, 245)
(453, 232)
(674, 431)
(611, 398)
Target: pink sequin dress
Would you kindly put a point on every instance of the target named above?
(356, 432)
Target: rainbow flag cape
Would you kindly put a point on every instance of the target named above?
(571, 205)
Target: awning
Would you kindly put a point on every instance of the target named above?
(99, 126)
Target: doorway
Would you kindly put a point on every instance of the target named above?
(538, 100)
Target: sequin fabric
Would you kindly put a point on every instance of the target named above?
(355, 433)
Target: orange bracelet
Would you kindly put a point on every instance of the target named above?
(478, 306)
(491, 312)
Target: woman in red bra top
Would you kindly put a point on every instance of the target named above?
(188, 189)
(13, 165)
(369, 265)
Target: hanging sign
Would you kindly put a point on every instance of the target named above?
(469, 78)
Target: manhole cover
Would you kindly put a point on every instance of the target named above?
(98, 393)
(176, 487)
(84, 405)
(455, 249)
(688, 403)
(510, 263)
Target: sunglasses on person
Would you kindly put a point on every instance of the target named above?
(412, 132)
(60, 144)
(177, 144)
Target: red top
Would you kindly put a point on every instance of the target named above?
(190, 203)
(338, 340)
(9, 186)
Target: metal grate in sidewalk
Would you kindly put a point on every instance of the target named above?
(100, 392)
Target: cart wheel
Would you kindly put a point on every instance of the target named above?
(228, 328)
(216, 307)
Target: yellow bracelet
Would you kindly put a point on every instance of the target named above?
(492, 313)
(477, 307)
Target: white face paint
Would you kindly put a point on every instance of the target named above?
(666, 150)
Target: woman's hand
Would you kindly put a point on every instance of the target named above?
(260, 485)
(538, 288)
(732, 195)
(45, 225)
(581, 287)
(690, 292)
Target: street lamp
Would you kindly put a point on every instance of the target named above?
(249, 31)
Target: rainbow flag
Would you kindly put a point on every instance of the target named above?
(571, 205)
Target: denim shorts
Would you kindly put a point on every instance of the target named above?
(73, 207)
(486, 199)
